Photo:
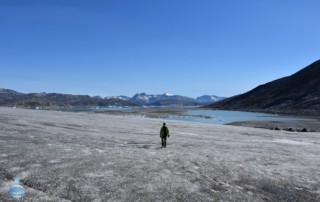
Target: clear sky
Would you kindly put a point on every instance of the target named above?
(185, 47)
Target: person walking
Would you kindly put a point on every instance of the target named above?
(164, 133)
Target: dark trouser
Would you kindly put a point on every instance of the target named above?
(164, 141)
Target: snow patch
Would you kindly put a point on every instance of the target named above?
(191, 134)
(67, 150)
(14, 169)
(293, 142)
(93, 175)
(55, 161)
(168, 94)
(99, 150)
(23, 174)
(99, 174)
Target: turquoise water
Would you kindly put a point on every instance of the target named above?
(224, 117)
(203, 116)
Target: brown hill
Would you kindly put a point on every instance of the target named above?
(295, 94)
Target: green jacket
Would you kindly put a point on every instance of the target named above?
(162, 131)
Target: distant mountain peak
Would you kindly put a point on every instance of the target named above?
(4, 90)
(10, 97)
(207, 99)
(171, 99)
(167, 94)
(120, 97)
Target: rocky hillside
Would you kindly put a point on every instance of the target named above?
(32, 100)
(295, 94)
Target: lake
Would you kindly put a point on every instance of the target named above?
(225, 117)
(199, 115)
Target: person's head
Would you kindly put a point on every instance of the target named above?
(164, 124)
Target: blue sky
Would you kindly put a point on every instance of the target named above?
(122, 47)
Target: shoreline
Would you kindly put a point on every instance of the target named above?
(276, 125)
(302, 114)
(300, 123)
(297, 123)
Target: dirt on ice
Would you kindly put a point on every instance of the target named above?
(68, 156)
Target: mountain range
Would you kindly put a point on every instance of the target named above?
(295, 94)
(32, 100)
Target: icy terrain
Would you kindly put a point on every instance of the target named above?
(66, 156)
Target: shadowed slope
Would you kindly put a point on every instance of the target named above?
(298, 93)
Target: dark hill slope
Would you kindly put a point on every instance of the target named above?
(295, 94)
(13, 98)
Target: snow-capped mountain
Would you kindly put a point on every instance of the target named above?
(14, 98)
(170, 99)
(143, 98)
(163, 99)
(120, 97)
(205, 99)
